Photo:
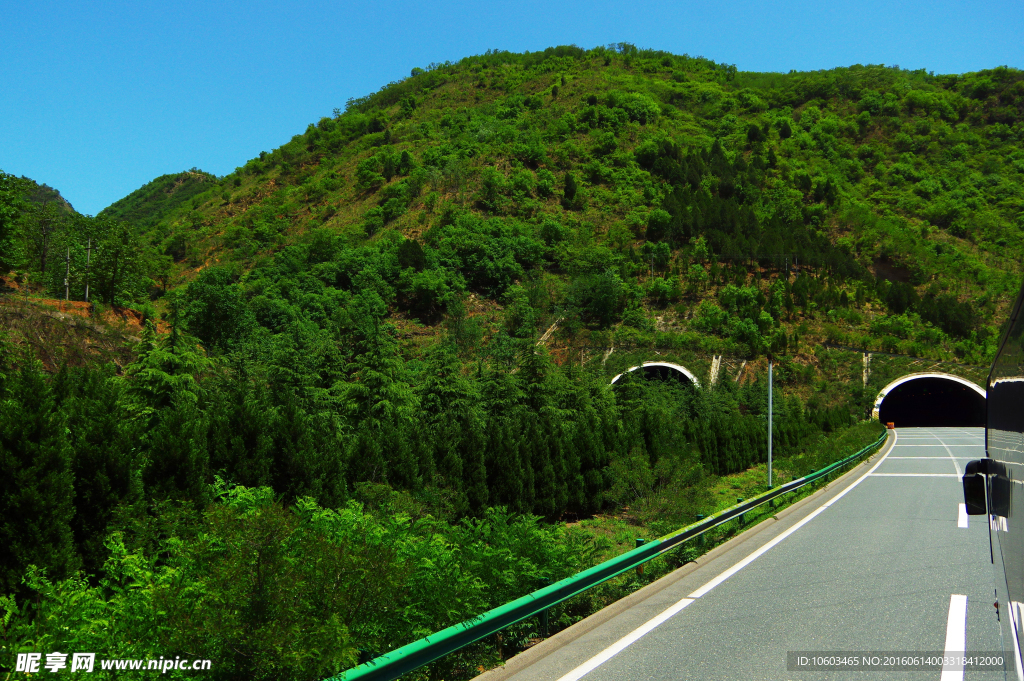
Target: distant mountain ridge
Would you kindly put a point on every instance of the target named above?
(149, 204)
(676, 182)
(42, 194)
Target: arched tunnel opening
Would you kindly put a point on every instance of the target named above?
(932, 401)
(662, 371)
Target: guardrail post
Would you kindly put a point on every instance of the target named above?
(743, 518)
(544, 581)
(640, 567)
(700, 537)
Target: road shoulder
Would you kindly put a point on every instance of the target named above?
(735, 549)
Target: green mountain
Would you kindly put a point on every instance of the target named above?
(148, 205)
(41, 195)
(576, 163)
(396, 333)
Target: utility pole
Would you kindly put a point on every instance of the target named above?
(769, 421)
(67, 273)
(88, 252)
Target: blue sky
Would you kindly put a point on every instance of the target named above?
(101, 97)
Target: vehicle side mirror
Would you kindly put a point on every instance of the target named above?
(974, 489)
(1000, 490)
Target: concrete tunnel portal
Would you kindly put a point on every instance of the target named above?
(665, 371)
(914, 400)
(931, 399)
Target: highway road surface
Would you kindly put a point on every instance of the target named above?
(884, 559)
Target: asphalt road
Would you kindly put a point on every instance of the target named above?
(883, 560)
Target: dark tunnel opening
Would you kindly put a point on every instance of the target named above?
(652, 372)
(665, 374)
(932, 401)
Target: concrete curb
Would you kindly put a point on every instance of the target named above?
(566, 636)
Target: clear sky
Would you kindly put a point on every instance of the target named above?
(101, 97)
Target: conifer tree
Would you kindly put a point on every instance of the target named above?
(162, 405)
(105, 463)
(377, 397)
(36, 479)
(10, 201)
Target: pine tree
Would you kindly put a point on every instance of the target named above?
(36, 480)
(378, 398)
(105, 462)
(161, 404)
(11, 190)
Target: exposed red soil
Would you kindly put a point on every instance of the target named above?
(131, 319)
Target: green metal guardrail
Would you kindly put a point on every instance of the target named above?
(419, 653)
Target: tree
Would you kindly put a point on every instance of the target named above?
(598, 297)
(659, 225)
(451, 413)
(377, 398)
(369, 173)
(161, 408)
(700, 249)
(215, 309)
(117, 267)
(571, 189)
(696, 278)
(105, 460)
(10, 203)
(36, 478)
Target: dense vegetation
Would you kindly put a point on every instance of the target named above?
(393, 337)
(108, 474)
(147, 205)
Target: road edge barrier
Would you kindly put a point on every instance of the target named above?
(426, 650)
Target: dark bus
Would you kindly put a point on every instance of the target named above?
(993, 485)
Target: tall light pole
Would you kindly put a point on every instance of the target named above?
(769, 421)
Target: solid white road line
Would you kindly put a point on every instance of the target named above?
(961, 519)
(936, 437)
(761, 551)
(956, 637)
(941, 445)
(756, 554)
(914, 475)
(630, 638)
(620, 645)
(918, 458)
(647, 627)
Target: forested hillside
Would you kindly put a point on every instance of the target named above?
(42, 194)
(399, 328)
(866, 174)
(147, 206)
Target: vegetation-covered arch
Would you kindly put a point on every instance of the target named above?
(662, 370)
(931, 399)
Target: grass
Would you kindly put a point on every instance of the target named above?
(615, 534)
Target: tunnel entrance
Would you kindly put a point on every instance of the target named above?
(665, 371)
(931, 400)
